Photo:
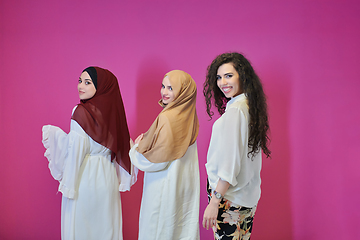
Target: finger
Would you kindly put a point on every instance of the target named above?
(138, 139)
(204, 223)
(140, 136)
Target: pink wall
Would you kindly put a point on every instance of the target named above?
(306, 53)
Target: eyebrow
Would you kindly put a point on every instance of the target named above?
(225, 74)
(88, 79)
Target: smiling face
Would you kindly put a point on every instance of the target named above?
(228, 80)
(167, 93)
(86, 87)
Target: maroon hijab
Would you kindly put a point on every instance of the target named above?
(103, 117)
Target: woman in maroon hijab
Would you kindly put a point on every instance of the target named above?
(91, 162)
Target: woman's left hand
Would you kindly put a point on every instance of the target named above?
(210, 214)
(131, 143)
(138, 139)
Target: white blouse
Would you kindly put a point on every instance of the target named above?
(228, 155)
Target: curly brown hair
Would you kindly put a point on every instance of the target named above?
(252, 87)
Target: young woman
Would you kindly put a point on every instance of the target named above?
(91, 162)
(167, 153)
(238, 139)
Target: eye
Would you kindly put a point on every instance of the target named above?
(162, 86)
(80, 81)
(218, 78)
(170, 88)
(229, 76)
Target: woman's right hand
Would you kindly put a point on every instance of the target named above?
(211, 213)
(212, 210)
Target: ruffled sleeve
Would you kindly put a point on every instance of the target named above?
(142, 163)
(55, 142)
(227, 146)
(65, 153)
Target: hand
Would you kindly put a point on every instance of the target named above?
(138, 139)
(131, 143)
(210, 215)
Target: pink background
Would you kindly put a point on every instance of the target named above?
(305, 52)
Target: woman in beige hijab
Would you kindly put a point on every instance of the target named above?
(167, 153)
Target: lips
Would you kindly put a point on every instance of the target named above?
(226, 89)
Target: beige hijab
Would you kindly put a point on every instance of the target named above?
(177, 125)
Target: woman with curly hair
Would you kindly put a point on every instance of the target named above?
(238, 139)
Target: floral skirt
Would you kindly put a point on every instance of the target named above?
(234, 222)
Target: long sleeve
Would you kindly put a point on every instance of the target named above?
(142, 163)
(227, 146)
(126, 180)
(228, 155)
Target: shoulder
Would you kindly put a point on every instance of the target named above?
(76, 128)
(236, 113)
(238, 107)
(80, 112)
(164, 118)
(241, 104)
(74, 109)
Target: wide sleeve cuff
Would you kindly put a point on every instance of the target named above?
(126, 180)
(55, 141)
(65, 153)
(66, 192)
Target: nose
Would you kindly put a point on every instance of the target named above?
(80, 84)
(222, 81)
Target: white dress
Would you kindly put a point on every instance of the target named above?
(89, 182)
(171, 195)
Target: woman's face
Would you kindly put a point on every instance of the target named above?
(167, 93)
(86, 86)
(228, 80)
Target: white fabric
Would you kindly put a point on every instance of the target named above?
(89, 182)
(170, 200)
(228, 155)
